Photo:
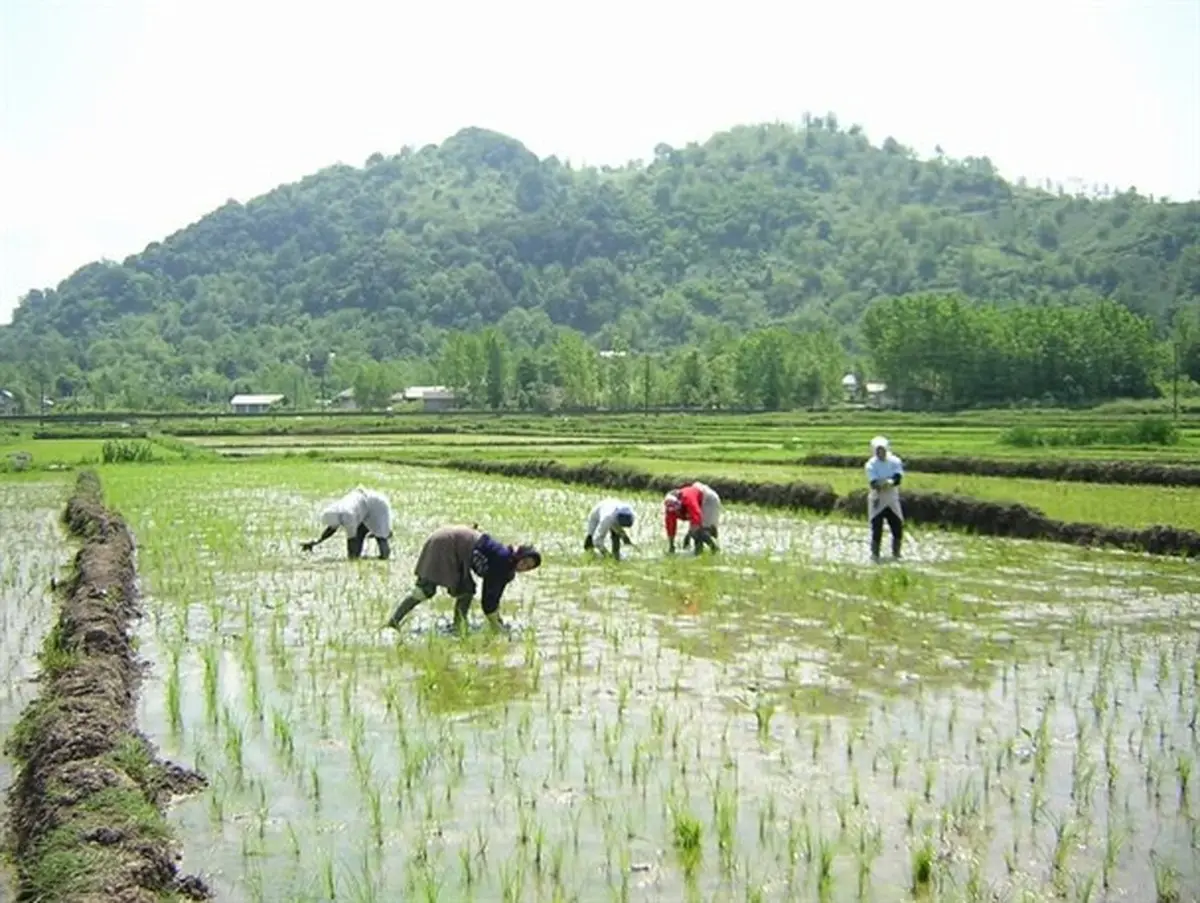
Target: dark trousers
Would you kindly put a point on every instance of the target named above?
(354, 544)
(894, 524)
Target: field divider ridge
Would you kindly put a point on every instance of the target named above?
(1133, 473)
(943, 510)
(87, 805)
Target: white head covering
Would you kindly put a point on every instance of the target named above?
(880, 442)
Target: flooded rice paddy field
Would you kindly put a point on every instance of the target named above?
(990, 720)
(32, 552)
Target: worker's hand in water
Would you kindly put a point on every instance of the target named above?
(307, 546)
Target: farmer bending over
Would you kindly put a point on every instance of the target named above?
(884, 472)
(609, 520)
(449, 558)
(700, 506)
(362, 513)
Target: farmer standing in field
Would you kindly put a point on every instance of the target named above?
(700, 506)
(448, 559)
(609, 520)
(362, 513)
(884, 472)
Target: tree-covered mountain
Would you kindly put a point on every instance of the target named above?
(803, 228)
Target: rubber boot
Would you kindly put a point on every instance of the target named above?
(494, 621)
(411, 601)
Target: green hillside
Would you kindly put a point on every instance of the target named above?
(800, 227)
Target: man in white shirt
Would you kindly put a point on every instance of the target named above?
(609, 520)
(361, 513)
(884, 472)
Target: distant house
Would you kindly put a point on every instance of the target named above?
(432, 398)
(254, 404)
(877, 395)
(850, 387)
(8, 402)
(344, 400)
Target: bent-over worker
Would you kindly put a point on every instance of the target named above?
(362, 513)
(699, 505)
(884, 472)
(610, 520)
(448, 559)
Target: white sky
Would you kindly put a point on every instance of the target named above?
(124, 120)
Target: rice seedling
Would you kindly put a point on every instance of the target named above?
(835, 720)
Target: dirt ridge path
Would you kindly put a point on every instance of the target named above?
(86, 809)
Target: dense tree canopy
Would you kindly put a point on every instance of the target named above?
(476, 263)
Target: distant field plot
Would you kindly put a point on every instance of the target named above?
(771, 438)
(780, 721)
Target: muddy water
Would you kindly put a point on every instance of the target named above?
(33, 553)
(1026, 714)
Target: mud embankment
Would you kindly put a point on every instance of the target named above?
(1135, 473)
(929, 508)
(86, 809)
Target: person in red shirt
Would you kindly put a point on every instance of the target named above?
(699, 506)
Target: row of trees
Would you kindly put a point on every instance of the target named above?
(770, 368)
(933, 351)
(938, 350)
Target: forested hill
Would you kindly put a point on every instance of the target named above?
(803, 226)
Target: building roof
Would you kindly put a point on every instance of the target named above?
(875, 388)
(849, 380)
(255, 399)
(417, 393)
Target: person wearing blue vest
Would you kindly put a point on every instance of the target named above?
(451, 558)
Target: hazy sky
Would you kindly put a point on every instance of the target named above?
(124, 120)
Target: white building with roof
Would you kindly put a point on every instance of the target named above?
(432, 398)
(254, 404)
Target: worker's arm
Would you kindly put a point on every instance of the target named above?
(615, 536)
(493, 590)
(671, 521)
(308, 546)
(872, 481)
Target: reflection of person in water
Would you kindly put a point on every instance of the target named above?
(361, 513)
(449, 558)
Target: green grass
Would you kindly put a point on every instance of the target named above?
(41, 454)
